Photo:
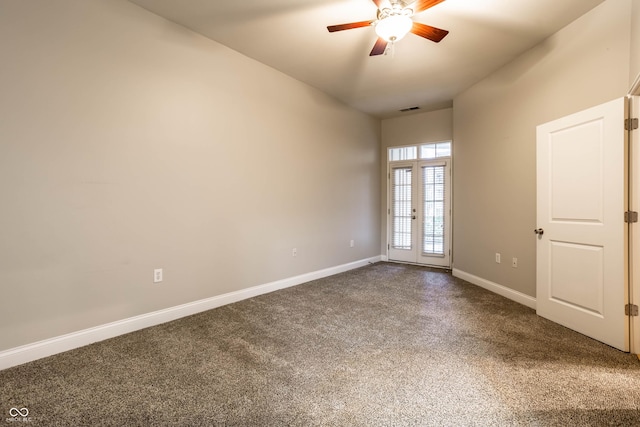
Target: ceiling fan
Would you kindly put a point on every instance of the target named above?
(394, 21)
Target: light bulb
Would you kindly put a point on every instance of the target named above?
(394, 27)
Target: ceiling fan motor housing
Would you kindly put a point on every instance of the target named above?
(396, 9)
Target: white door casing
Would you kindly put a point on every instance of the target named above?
(634, 234)
(581, 233)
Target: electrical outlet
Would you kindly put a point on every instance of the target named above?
(514, 262)
(157, 275)
(352, 243)
(294, 252)
(497, 257)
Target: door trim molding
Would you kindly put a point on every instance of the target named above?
(635, 87)
(633, 203)
(504, 291)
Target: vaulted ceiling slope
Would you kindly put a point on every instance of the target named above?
(291, 36)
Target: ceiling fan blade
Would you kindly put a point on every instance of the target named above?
(379, 47)
(381, 4)
(421, 5)
(428, 32)
(334, 28)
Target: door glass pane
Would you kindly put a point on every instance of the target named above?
(433, 215)
(428, 151)
(401, 208)
(433, 151)
(403, 153)
(443, 149)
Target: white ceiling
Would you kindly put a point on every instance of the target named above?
(291, 36)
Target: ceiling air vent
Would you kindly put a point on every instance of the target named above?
(404, 110)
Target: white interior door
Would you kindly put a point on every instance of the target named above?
(581, 248)
(420, 212)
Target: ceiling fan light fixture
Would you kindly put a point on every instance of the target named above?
(394, 27)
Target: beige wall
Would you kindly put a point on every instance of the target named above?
(584, 64)
(128, 143)
(417, 128)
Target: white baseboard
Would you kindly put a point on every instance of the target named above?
(516, 296)
(48, 347)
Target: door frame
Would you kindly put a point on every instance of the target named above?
(633, 196)
(417, 163)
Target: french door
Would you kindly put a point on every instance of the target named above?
(419, 212)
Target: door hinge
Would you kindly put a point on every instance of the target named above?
(388, 246)
(630, 124)
(630, 216)
(630, 310)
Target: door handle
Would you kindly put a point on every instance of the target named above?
(413, 217)
(539, 231)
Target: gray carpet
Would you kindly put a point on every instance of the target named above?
(384, 345)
